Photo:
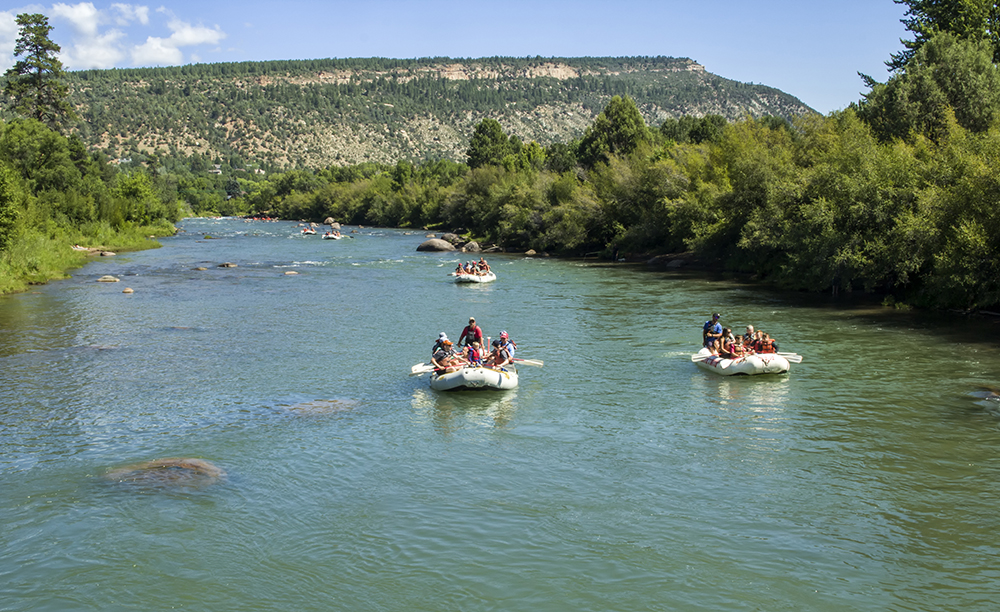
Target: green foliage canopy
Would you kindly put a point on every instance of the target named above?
(946, 77)
(975, 20)
(490, 145)
(618, 130)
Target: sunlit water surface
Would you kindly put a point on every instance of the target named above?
(617, 477)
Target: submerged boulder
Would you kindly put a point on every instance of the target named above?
(172, 471)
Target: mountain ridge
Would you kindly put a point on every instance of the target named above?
(315, 113)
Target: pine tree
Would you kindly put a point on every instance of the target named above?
(34, 83)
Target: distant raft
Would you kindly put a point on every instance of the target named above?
(763, 363)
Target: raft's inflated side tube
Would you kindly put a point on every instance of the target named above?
(475, 378)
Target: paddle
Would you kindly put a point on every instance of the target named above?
(792, 357)
(696, 358)
(421, 368)
(529, 362)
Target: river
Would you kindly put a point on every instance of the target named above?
(617, 477)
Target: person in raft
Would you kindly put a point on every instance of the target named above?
(440, 342)
(712, 330)
(471, 333)
(500, 355)
(474, 355)
(446, 359)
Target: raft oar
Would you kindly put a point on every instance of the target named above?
(528, 362)
(421, 368)
(791, 357)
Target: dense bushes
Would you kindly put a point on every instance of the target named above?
(53, 194)
(818, 204)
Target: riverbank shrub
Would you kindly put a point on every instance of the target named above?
(53, 195)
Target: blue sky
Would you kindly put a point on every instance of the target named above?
(812, 50)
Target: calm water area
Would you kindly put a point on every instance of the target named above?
(617, 477)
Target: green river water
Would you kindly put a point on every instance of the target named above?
(617, 477)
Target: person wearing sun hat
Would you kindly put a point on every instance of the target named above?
(712, 330)
(446, 357)
(439, 343)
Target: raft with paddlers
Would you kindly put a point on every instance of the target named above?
(748, 365)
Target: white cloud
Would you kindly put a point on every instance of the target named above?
(127, 13)
(166, 51)
(156, 52)
(92, 46)
(102, 51)
(83, 17)
(8, 36)
(187, 35)
(100, 37)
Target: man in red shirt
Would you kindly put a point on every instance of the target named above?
(471, 333)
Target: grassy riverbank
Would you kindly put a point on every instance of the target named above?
(36, 257)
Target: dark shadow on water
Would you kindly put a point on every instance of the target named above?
(950, 326)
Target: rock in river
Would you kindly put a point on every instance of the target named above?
(172, 471)
(436, 244)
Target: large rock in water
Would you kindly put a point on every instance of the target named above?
(170, 472)
(436, 244)
(471, 247)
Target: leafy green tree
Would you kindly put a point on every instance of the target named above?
(618, 130)
(977, 20)
(489, 145)
(561, 157)
(34, 82)
(9, 205)
(708, 129)
(679, 130)
(946, 76)
(40, 155)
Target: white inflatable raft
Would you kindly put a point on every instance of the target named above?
(764, 363)
(475, 378)
(489, 277)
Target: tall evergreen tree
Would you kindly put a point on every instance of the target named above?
(34, 83)
(966, 19)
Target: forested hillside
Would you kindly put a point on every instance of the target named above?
(314, 113)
